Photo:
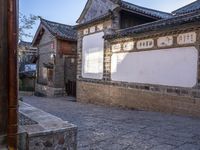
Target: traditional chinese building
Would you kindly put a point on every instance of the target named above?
(140, 58)
(27, 57)
(56, 65)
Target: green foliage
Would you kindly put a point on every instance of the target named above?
(22, 87)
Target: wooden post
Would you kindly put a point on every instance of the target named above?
(3, 68)
(12, 77)
(8, 71)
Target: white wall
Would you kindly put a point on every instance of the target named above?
(172, 67)
(92, 56)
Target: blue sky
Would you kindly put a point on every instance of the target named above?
(68, 11)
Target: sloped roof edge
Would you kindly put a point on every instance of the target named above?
(194, 6)
(154, 26)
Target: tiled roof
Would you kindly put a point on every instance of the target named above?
(134, 9)
(61, 31)
(155, 26)
(188, 8)
(24, 43)
(146, 11)
(100, 18)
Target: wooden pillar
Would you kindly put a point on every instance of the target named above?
(3, 68)
(12, 74)
(8, 71)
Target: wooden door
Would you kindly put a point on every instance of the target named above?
(71, 88)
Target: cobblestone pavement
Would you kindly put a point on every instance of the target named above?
(108, 128)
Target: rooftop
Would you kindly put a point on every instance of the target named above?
(146, 11)
(155, 14)
(188, 8)
(61, 31)
(155, 26)
(24, 43)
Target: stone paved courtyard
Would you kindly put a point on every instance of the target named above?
(106, 128)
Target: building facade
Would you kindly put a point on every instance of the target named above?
(56, 65)
(141, 58)
(27, 57)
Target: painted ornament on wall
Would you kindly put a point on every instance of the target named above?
(187, 38)
(92, 29)
(85, 31)
(116, 47)
(100, 27)
(128, 46)
(165, 41)
(145, 44)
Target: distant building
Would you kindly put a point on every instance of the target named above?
(27, 57)
(139, 58)
(56, 64)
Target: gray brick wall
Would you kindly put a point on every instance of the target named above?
(133, 95)
(59, 72)
(44, 51)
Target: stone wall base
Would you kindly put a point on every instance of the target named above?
(49, 91)
(137, 99)
(42, 131)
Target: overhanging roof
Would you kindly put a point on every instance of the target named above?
(58, 30)
(195, 6)
(155, 26)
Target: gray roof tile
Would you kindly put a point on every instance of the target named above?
(155, 26)
(61, 31)
(146, 11)
(188, 8)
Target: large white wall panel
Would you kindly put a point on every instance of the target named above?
(171, 67)
(92, 56)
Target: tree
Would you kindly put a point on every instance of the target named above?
(26, 23)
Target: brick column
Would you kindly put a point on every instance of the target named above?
(107, 62)
(79, 56)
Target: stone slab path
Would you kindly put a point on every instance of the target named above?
(109, 128)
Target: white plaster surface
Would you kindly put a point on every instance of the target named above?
(172, 67)
(93, 51)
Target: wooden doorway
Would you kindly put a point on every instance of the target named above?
(71, 88)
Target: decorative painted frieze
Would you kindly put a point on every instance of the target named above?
(85, 31)
(128, 46)
(100, 27)
(187, 38)
(165, 41)
(145, 44)
(92, 29)
(116, 47)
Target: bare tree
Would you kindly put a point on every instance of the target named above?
(26, 23)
